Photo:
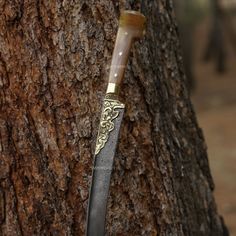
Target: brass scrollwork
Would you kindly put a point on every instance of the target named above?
(109, 113)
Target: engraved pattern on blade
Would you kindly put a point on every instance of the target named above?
(109, 113)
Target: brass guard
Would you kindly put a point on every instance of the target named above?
(109, 113)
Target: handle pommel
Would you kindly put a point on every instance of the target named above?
(131, 27)
(133, 19)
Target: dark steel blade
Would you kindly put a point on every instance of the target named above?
(107, 140)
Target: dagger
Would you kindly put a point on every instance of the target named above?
(131, 28)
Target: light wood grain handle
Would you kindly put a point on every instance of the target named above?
(131, 27)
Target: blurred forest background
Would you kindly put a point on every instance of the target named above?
(208, 37)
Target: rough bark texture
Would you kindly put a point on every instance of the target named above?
(53, 75)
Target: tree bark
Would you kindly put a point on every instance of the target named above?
(53, 76)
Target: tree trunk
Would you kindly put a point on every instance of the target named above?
(216, 44)
(53, 76)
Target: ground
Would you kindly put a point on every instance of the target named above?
(215, 104)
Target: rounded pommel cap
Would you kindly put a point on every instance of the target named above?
(134, 20)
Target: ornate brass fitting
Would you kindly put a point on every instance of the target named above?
(109, 113)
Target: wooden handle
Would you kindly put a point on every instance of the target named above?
(131, 27)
